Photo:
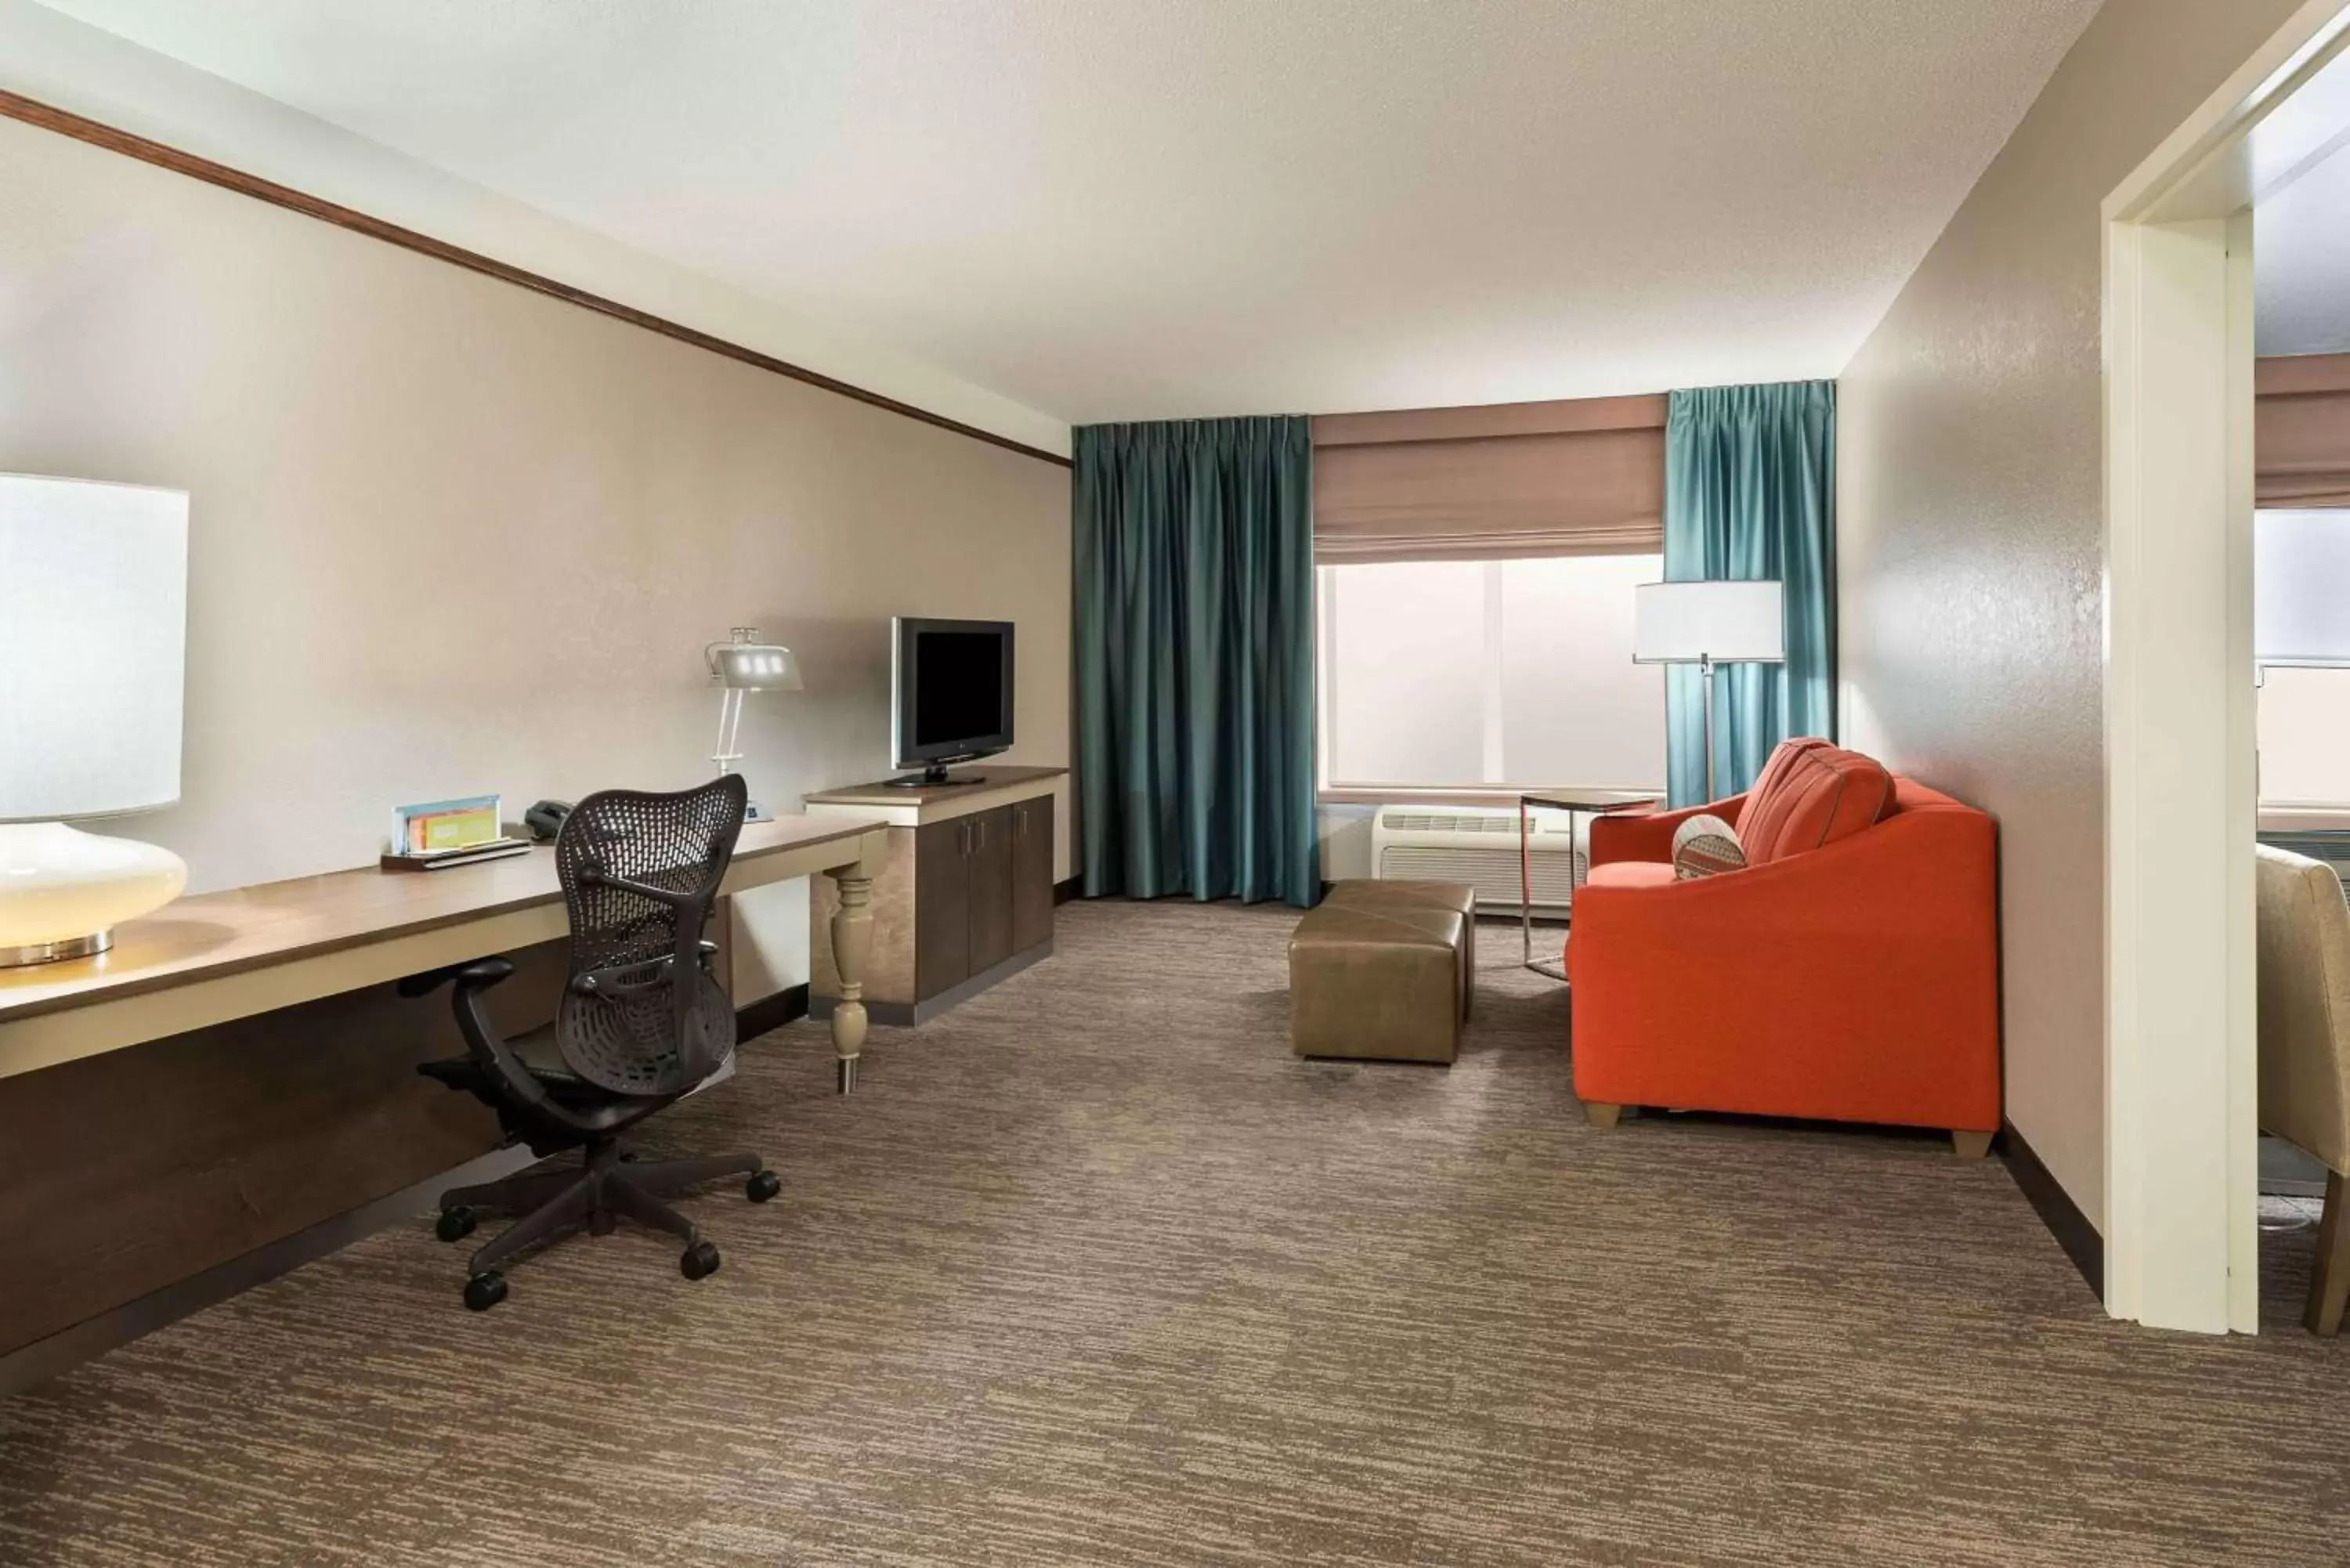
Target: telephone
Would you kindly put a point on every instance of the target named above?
(545, 820)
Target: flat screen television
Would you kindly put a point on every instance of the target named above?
(950, 695)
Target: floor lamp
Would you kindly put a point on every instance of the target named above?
(1707, 624)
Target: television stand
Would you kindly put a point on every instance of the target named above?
(962, 889)
(932, 778)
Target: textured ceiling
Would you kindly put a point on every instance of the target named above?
(2301, 262)
(1117, 209)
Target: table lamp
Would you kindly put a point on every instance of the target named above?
(1706, 624)
(93, 633)
(741, 664)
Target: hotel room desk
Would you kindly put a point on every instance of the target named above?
(217, 957)
(233, 1088)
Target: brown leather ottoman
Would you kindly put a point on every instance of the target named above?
(1373, 893)
(1380, 983)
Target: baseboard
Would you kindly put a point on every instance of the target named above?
(902, 1014)
(2055, 1208)
(786, 1006)
(1063, 891)
(93, 1337)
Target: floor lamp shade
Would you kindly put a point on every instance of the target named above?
(93, 634)
(1700, 623)
(1706, 624)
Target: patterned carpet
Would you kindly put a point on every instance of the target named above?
(1091, 1270)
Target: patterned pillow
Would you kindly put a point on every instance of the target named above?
(1705, 846)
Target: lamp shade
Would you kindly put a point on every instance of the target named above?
(1729, 623)
(93, 629)
(2301, 588)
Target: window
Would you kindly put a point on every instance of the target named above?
(1453, 674)
(2301, 633)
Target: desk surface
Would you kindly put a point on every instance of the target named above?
(984, 782)
(215, 935)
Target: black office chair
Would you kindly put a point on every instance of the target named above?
(641, 1023)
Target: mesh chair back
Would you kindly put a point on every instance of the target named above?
(641, 1015)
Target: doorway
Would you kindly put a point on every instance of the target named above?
(2181, 791)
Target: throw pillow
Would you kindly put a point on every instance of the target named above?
(1706, 846)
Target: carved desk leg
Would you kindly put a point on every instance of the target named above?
(852, 943)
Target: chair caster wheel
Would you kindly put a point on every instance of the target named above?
(455, 1224)
(763, 1185)
(698, 1261)
(486, 1290)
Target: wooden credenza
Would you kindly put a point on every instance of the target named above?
(963, 894)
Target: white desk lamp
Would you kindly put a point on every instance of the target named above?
(741, 664)
(1706, 624)
(93, 634)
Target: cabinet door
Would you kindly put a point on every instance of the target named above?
(1032, 873)
(991, 887)
(942, 907)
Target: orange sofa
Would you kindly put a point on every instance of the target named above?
(1849, 972)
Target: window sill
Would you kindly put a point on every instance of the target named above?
(2302, 818)
(1467, 794)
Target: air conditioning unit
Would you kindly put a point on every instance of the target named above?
(1478, 845)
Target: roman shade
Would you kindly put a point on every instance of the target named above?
(2301, 430)
(1582, 477)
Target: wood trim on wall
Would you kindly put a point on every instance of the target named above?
(63, 122)
(2070, 1226)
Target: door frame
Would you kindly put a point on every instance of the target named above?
(2181, 1223)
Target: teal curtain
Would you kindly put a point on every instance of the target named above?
(1749, 494)
(1195, 660)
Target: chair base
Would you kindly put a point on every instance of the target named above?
(607, 1187)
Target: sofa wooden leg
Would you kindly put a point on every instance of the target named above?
(2329, 1280)
(1602, 1115)
(1970, 1144)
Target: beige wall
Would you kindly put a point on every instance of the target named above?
(1969, 540)
(448, 535)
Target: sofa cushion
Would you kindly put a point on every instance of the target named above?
(1810, 798)
(1630, 874)
(1775, 767)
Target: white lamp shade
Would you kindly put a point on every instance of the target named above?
(1730, 623)
(2301, 588)
(93, 631)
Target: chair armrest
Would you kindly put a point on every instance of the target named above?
(1648, 836)
(478, 973)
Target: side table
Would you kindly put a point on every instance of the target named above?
(1574, 802)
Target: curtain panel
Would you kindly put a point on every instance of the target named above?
(2301, 430)
(1195, 660)
(1579, 477)
(1750, 494)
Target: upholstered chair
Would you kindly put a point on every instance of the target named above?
(2304, 1048)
